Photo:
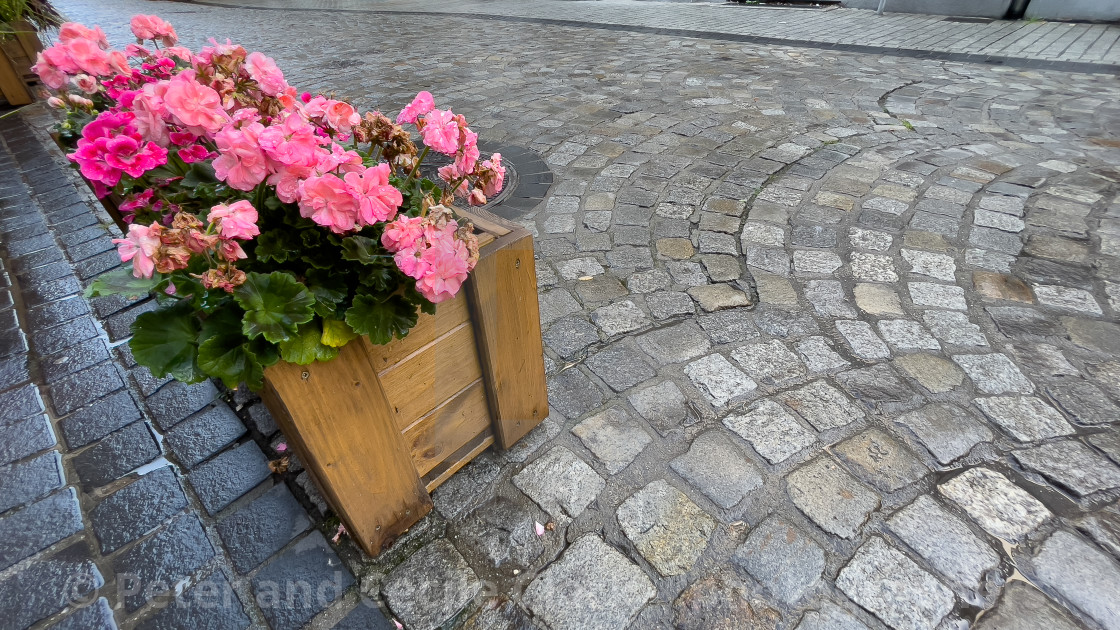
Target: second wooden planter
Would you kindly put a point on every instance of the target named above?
(380, 427)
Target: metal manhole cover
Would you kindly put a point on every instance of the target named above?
(528, 179)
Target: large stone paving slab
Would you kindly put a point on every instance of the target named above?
(668, 529)
(945, 542)
(999, 506)
(893, 587)
(834, 500)
(591, 586)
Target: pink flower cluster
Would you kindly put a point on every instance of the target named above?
(79, 50)
(434, 251)
(150, 27)
(234, 109)
(111, 146)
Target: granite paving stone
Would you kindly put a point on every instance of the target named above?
(202, 435)
(117, 454)
(1024, 607)
(831, 498)
(43, 523)
(31, 479)
(1080, 573)
(430, 587)
(560, 482)
(621, 367)
(662, 405)
(782, 558)
(1026, 418)
(221, 480)
(613, 437)
(98, 420)
(1083, 402)
(880, 460)
(822, 405)
(137, 509)
(771, 430)
(883, 580)
(945, 542)
(48, 585)
(999, 506)
(718, 468)
(719, 380)
(829, 616)
(573, 394)
(157, 564)
(994, 373)
(946, 431)
(722, 602)
(1071, 465)
(96, 616)
(667, 528)
(863, 341)
(260, 529)
(310, 561)
(592, 585)
(211, 603)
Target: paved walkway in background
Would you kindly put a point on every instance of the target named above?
(831, 339)
(1039, 44)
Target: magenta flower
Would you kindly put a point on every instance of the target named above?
(422, 104)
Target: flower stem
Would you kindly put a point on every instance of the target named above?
(416, 168)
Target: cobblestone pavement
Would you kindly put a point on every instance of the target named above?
(831, 341)
(1040, 44)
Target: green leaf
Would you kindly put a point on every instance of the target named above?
(121, 281)
(337, 333)
(275, 305)
(361, 249)
(381, 319)
(166, 342)
(198, 173)
(274, 245)
(233, 363)
(305, 347)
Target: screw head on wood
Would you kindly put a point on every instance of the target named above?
(305, 375)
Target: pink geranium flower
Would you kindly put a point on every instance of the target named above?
(266, 73)
(441, 132)
(150, 113)
(447, 269)
(193, 153)
(468, 154)
(241, 163)
(140, 247)
(403, 233)
(492, 175)
(146, 27)
(377, 199)
(327, 201)
(292, 143)
(197, 107)
(236, 220)
(72, 30)
(342, 116)
(422, 104)
(132, 155)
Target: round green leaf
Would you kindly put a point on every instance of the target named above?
(337, 334)
(306, 347)
(275, 305)
(222, 357)
(166, 341)
(381, 320)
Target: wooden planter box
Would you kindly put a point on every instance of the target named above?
(380, 427)
(17, 54)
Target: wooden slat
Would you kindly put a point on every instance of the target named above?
(430, 376)
(336, 416)
(449, 315)
(505, 313)
(11, 83)
(459, 459)
(447, 428)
